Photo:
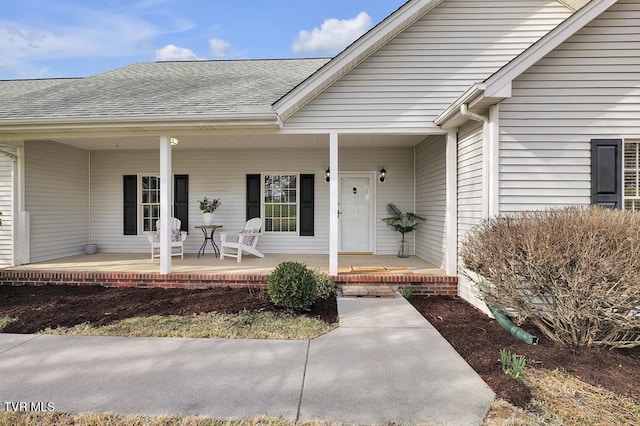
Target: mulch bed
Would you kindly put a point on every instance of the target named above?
(37, 308)
(477, 338)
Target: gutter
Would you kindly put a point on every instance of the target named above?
(74, 126)
(472, 93)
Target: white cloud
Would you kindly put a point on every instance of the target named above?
(66, 30)
(219, 48)
(174, 53)
(333, 35)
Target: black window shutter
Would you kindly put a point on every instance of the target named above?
(253, 196)
(606, 173)
(307, 197)
(181, 200)
(130, 203)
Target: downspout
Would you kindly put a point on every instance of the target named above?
(487, 152)
(513, 329)
(464, 111)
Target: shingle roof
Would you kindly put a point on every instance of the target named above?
(13, 88)
(165, 88)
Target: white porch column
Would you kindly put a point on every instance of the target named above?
(165, 204)
(333, 204)
(451, 217)
(21, 224)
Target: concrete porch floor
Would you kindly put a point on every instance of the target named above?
(209, 264)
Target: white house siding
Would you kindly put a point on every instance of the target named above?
(6, 207)
(419, 73)
(398, 188)
(57, 196)
(469, 192)
(431, 199)
(222, 174)
(587, 88)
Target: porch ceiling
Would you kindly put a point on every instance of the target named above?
(242, 141)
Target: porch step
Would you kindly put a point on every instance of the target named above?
(367, 291)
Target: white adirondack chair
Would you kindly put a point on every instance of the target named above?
(246, 241)
(177, 240)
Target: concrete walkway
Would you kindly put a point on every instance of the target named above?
(385, 363)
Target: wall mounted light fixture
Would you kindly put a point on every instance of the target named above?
(382, 177)
(327, 175)
(174, 141)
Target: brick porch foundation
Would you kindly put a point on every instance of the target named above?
(420, 284)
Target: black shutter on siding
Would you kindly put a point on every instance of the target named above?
(253, 196)
(181, 200)
(307, 197)
(130, 203)
(606, 173)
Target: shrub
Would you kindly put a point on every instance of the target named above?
(572, 272)
(324, 286)
(292, 285)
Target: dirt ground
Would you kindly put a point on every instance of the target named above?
(37, 308)
(477, 338)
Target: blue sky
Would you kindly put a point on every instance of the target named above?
(75, 38)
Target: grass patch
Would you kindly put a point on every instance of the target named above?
(244, 325)
(107, 419)
(579, 403)
(4, 321)
(560, 399)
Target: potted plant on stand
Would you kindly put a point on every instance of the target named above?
(404, 223)
(208, 207)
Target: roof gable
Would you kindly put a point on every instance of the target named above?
(409, 80)
(498, 86)
(360, 50)
(349, 58)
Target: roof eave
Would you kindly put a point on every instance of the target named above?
(37, 127)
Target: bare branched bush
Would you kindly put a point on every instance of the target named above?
(573, 272)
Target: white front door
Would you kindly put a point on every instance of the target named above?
(356, 212)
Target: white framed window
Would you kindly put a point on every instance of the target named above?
(149, 202)
(631, 173)
(280, 202)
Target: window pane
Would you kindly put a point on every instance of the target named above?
(150, 202)
(280, 203)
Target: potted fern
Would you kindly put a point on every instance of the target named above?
(404, 223)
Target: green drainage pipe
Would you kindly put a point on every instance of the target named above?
(513, 329)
